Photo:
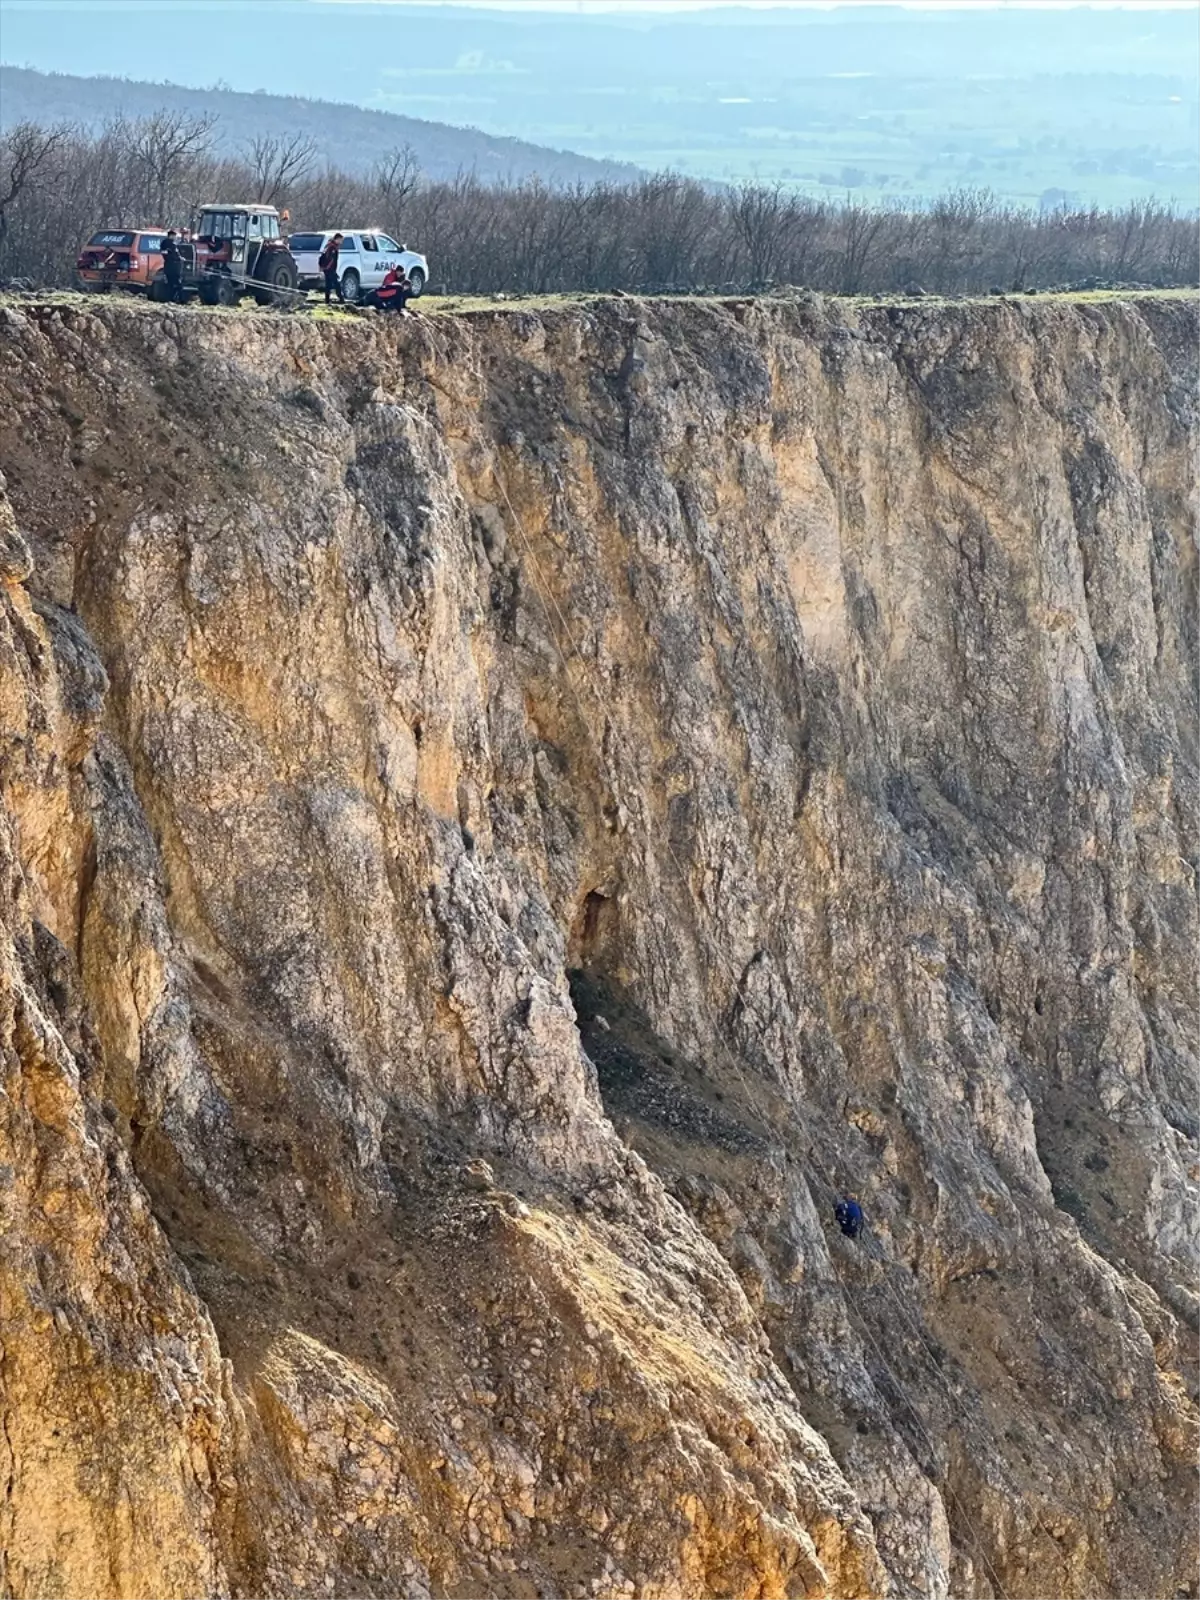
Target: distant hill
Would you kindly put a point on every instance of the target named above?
(349, 136)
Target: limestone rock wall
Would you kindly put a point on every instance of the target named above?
(503, 816)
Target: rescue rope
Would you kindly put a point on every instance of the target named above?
(267, 288)
(542, 590)
(257, 284)
(897, 1299)
(935, 1368)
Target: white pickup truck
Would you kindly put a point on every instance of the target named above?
(365, 259)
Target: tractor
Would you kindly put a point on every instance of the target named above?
(235, 251)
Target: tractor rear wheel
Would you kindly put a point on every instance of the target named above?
(280, 279)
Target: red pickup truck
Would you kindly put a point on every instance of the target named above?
(121, 258)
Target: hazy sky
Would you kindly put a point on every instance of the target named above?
(586, 7)
(583, 7)
(815, 5)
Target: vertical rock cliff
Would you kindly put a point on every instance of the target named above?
(504, 819)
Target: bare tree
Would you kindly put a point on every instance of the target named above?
(761, 216)
(952, 238)
(806, 221)
(327, 198)
(278, 162)
(667, 224)
(395, 175)
(859, 227)
(1135, 232)
(1027, 246)
(164, 146)
(26, 152)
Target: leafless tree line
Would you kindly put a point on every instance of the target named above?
(663, 232)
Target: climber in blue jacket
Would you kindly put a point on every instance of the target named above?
(849, 1216)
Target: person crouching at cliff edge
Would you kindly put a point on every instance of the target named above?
(393, 293)
(327, 261)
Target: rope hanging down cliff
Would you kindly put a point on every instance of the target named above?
(551, 608)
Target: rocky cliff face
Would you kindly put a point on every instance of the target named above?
(502, 818)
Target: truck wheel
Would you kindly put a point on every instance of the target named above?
(351, 286)
(417, 278)
(158, 289)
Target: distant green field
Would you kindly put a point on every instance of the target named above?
(1105, 140)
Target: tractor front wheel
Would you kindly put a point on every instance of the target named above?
(217, 289)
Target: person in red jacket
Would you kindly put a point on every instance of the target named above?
(328, 263)
(394, 292)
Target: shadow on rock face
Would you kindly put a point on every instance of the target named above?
(645, 1080)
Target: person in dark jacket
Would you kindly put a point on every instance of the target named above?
(328, 263)
(393, 293)
(849, 1216)
(173, 266)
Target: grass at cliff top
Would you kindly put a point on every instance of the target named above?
(454, 305)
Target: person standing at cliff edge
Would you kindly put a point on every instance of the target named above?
(172, 265)
(328, 263)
